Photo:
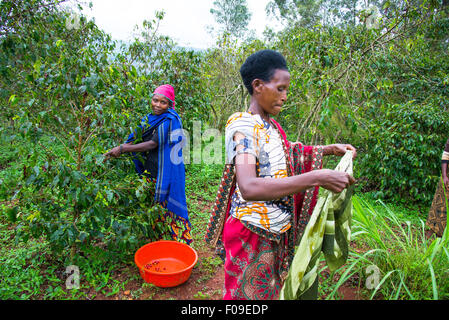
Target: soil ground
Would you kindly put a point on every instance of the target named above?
(202, 285)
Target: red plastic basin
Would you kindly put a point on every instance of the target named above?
(165, 263)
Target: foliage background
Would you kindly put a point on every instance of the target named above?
(68, 95)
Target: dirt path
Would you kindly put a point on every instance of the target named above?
(205, 283)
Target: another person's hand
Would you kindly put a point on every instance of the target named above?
(333, 180)
(114, 152)
(340, 149)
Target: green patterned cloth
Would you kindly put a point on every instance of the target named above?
(328, 231)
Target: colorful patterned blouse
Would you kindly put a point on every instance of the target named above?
(262, 140)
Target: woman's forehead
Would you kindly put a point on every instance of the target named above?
(160, 97)
(280, 75)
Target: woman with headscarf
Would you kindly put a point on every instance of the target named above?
(269, 186)
(156, 147)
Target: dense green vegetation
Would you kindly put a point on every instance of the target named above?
(68, 93)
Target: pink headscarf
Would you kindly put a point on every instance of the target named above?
(166, 91)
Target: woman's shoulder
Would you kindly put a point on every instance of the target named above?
(240, 119)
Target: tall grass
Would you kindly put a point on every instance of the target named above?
(408, 264)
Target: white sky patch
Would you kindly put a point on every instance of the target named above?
(186, 22)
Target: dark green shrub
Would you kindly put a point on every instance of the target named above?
(404, 146)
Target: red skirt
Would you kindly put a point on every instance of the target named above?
(252, 263)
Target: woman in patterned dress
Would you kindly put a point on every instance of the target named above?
(261, 223)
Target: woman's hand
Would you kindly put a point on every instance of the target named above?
(339, 149)
(114, 152)
(334, 181)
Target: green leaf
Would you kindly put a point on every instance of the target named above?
(37, 66)
(12, 214)
(83, 236)
(434, 282)
(109, 195)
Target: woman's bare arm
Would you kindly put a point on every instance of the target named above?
(265, 189)
(336, 149)
(129, 147)
(139, 147)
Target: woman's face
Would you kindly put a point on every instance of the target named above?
(159, 104)
(272, 95)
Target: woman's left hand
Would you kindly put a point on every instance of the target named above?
(339, 149)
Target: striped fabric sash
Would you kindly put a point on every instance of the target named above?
(328, 231)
